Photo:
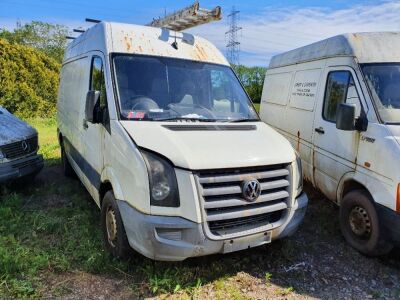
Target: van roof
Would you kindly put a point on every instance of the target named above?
(367, 47)
(111, 37)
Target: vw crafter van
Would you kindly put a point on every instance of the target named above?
(163, 136)
(338, 102)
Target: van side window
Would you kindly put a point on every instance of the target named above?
(340, 88)
(97, 83)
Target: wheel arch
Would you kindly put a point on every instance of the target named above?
(109, 182)
(347, 184)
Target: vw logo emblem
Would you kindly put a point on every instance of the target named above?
(251, 190)
(25, 146)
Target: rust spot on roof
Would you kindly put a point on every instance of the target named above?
(127, 43)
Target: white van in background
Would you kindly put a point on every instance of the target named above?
(338, 103)
(159, 130)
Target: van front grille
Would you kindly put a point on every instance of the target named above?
(20, 148)
(229, 214)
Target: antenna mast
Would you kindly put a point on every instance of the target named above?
(233, 45)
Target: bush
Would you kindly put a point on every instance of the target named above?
(28, 81)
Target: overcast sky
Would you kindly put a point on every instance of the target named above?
(269, 27)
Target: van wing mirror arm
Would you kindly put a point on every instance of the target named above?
(361, 123)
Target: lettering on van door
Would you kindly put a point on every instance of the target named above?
(304, 89)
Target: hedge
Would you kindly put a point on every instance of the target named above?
(28, 81)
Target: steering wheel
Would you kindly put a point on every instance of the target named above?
(144, 103)
(206, 109)
(171, 106)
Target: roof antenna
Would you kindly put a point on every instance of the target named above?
(92, 20)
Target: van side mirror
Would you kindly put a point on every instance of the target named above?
(345, 117)
(92, 97)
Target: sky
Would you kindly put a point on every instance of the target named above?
(269, 27)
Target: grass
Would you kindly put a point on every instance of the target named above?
(257, 106)
(52, 228)
(47, 139)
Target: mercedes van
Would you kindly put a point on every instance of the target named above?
(160, 131)
(18, 149)
(338, 103)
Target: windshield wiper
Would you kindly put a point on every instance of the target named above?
(186, 119)
(243, 120)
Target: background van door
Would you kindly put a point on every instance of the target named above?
(335, 151)
(93, 133)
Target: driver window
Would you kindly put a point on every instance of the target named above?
(352, 96)
(97, 81)
(340, 88)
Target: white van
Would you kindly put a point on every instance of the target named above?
(163, 136)
(338, 103)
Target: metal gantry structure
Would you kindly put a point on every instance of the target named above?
(232, 36)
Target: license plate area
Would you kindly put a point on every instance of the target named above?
(247, 242)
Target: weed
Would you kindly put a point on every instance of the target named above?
(287, 291)
(268, 277)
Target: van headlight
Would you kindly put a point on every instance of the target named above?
(163, 183)
(299, 171)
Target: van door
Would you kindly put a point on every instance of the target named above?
(335, 151)
(94, 133)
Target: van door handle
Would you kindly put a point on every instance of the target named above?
(320, 130)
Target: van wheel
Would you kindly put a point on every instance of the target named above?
(67, 168)
(113, 228)
(360, 226)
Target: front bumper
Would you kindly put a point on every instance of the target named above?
(20, 168)
(175, 238)
(390, 223)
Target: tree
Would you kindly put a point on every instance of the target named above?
(252, 79)
(46, 37)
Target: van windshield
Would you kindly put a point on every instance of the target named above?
(384, 83)
(159, 88)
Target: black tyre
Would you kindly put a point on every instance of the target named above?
(360, 225)
(113, 228)
(67, 168)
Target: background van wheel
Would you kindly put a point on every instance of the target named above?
(67, 168)
(360, 226)
(113, 228)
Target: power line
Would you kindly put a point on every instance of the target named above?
(233, 45)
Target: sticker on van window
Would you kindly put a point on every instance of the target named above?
(136, 115)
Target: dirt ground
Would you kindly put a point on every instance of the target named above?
(314, 263)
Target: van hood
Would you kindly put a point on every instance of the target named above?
(199, 146)
(13, 129)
